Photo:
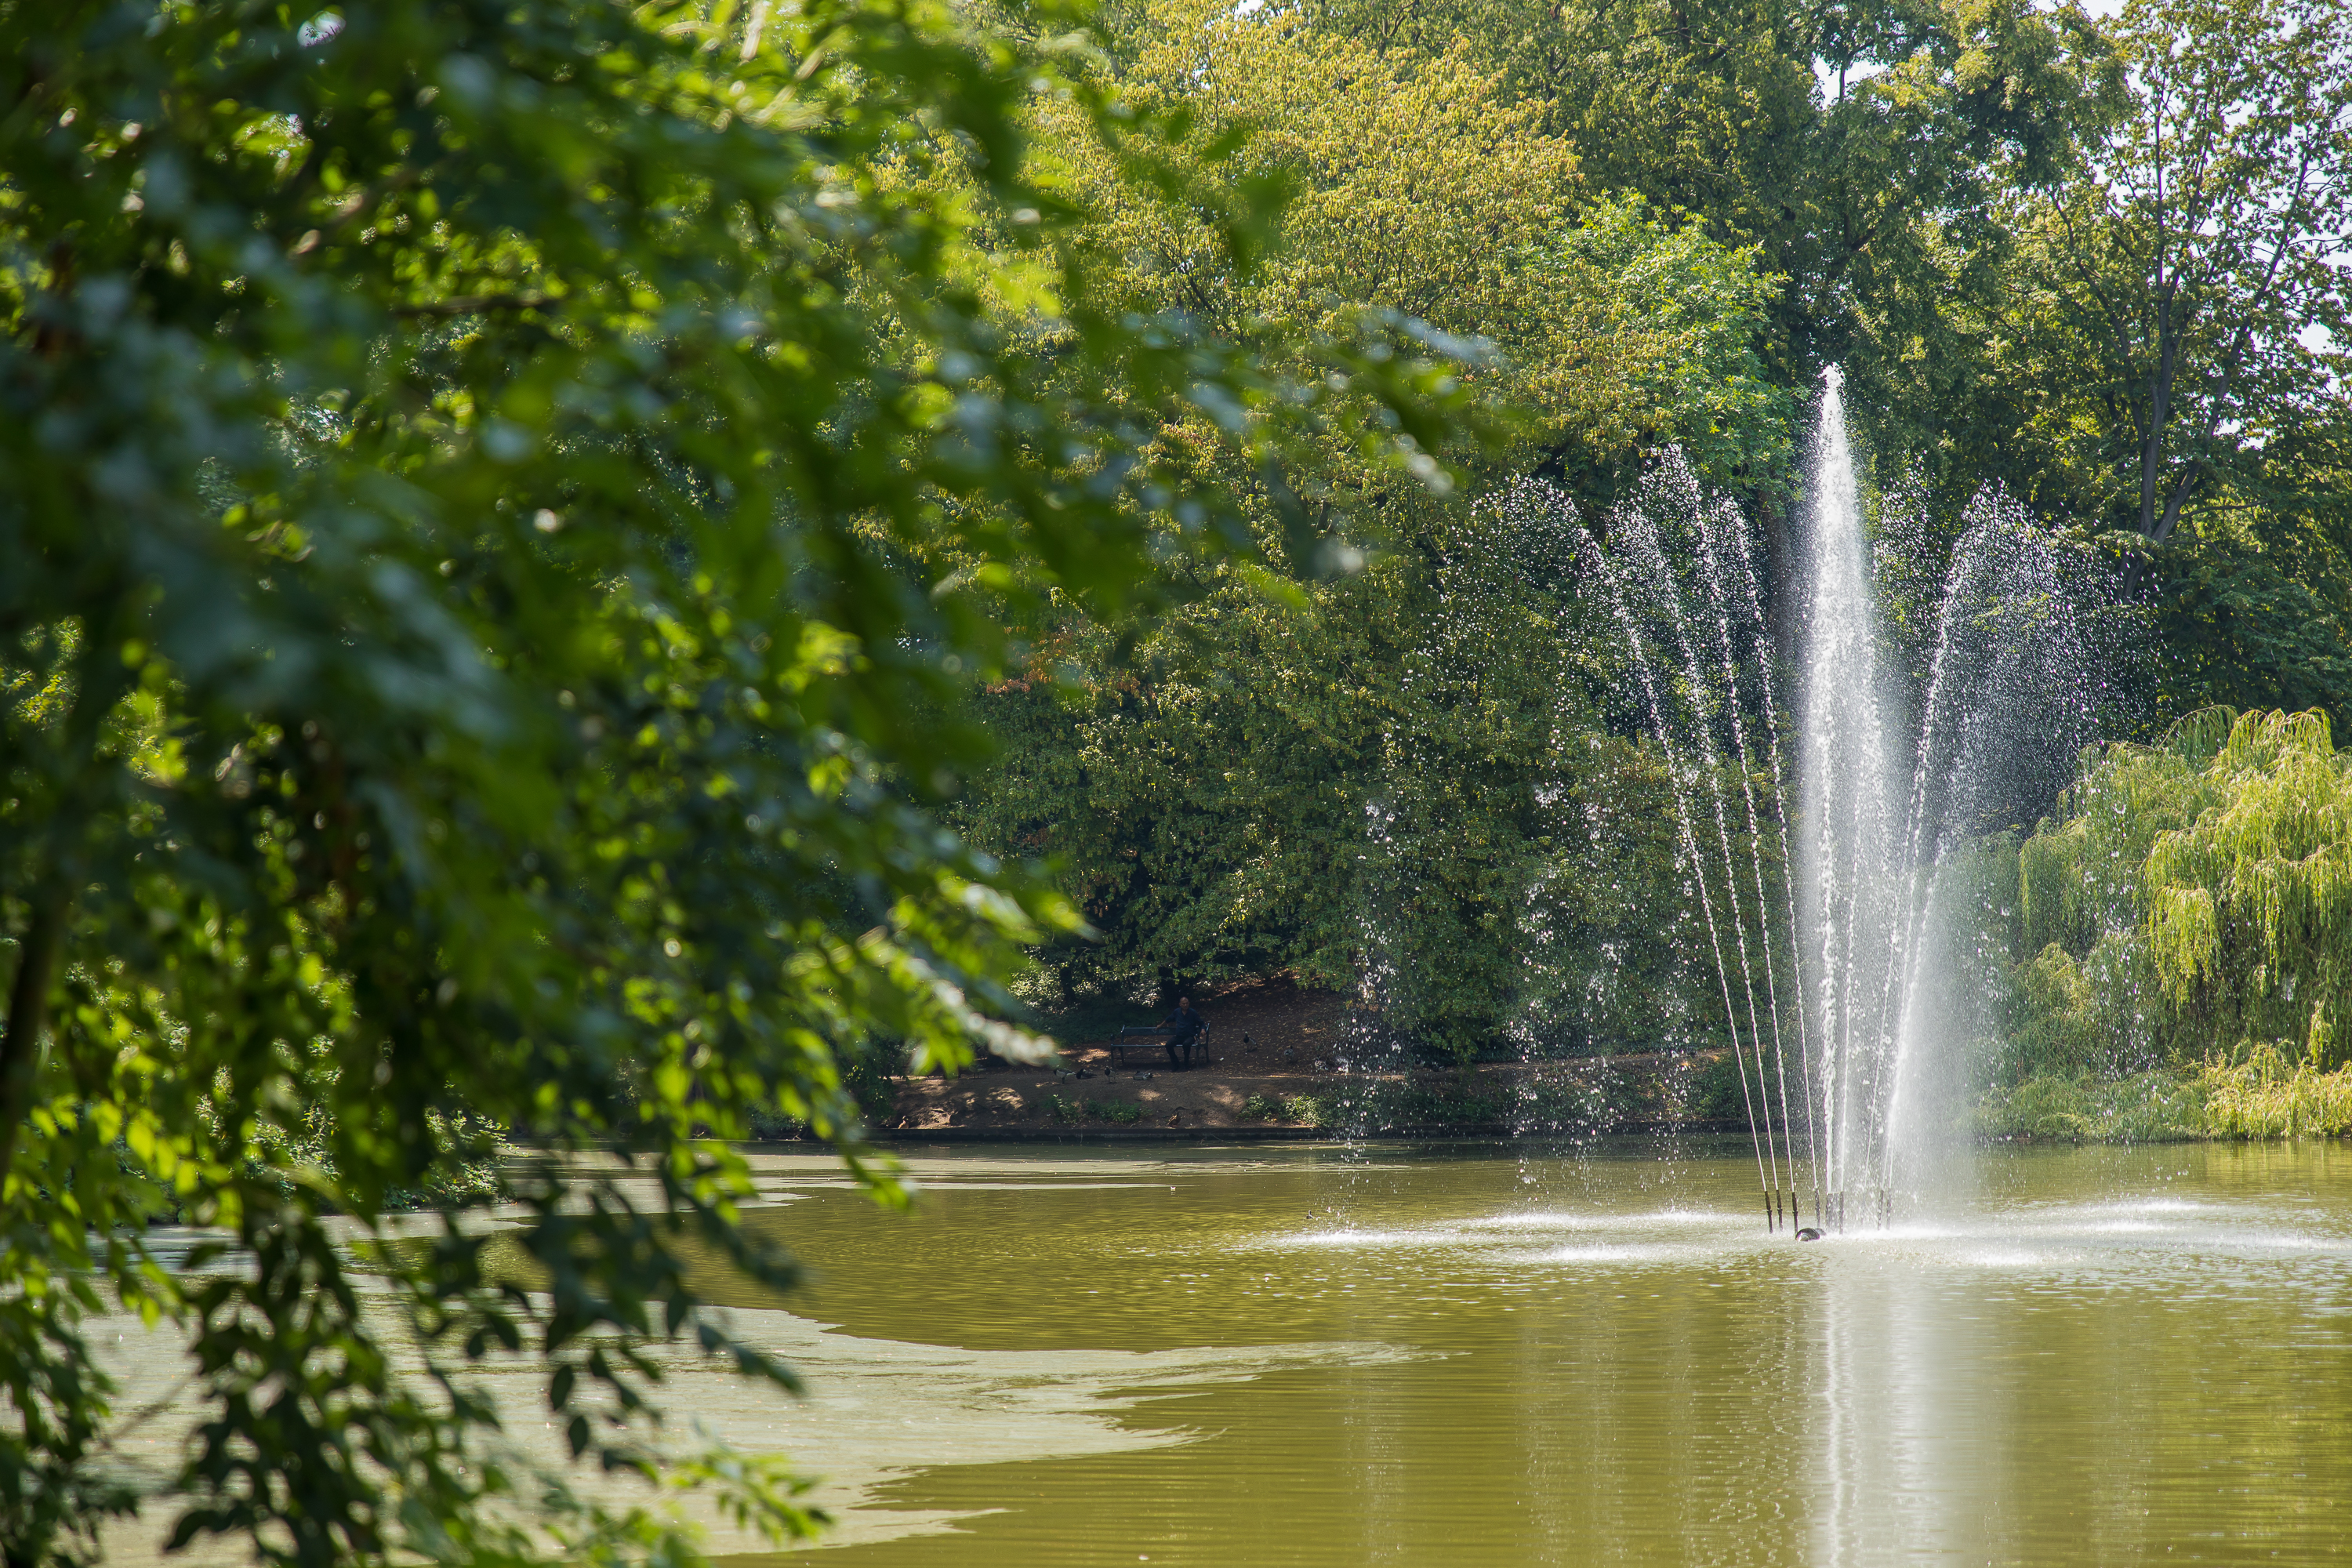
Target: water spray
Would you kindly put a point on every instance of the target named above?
(1675, 774)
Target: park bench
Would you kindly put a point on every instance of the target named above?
(1140, 1038)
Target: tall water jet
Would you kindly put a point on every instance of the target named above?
(1847, 868)
(2010, 696)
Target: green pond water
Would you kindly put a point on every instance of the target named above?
(1488, 1355)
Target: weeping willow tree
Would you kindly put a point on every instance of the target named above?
(2083, 994)
(2193, 902)
(2250, 905)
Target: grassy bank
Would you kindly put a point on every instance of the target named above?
(2265, 1095)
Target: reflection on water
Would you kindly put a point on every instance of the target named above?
(2092, 1356)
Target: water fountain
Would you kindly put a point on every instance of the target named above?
(1827, 906)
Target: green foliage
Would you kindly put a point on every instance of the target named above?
(1460, 1101)
(1652, 333)
(1412, 774)
(2268, 1096)
(1711, 1090)
(1416, 182)
(1071, 1113)
(1413, 766)
(1306, 1111)
(2075, 1016)
(496, 504)
(2184, 268)
(2152, 1107)
(2191, 904)
(1427, 184)
(2254, 600)
(2139, 338)
(2249, 907)
(1869, 197)
(1680, 321)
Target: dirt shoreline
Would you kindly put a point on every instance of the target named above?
(1436, 1133)
(1285, 1063)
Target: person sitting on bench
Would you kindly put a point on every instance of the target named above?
(1184, 1026)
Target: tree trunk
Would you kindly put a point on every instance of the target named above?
(28, 1013)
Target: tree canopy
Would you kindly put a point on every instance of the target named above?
(472, 670)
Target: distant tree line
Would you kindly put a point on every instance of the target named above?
(2086, 263)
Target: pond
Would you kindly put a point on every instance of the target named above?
(1484, 1355)
(1512, 1355)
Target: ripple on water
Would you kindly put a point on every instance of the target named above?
(1344, 1238)
(1557, 1219)
(2180, 1237)
(2006, 1259)
(1620, 1253)
(2144, 1206)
